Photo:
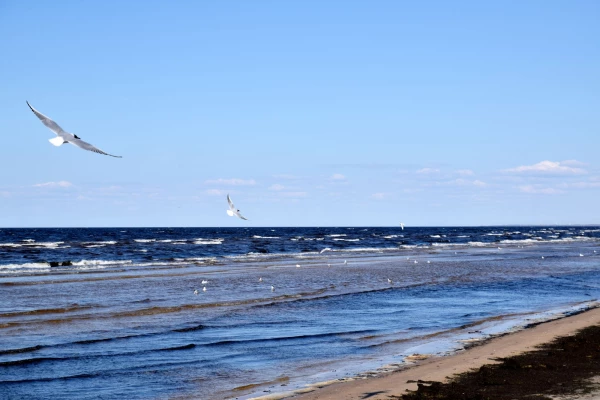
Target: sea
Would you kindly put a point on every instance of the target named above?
(225, 313)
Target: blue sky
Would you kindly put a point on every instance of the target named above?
(308, 113)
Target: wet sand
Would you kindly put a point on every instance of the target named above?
(440, 368)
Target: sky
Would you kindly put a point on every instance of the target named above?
(308, 113)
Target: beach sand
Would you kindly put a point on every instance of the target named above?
(440, 368)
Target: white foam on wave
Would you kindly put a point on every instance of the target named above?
(346, 240)
(16, 267)
(209, 241)
(494, 234)
(48, 245)
(435, 236)
(463, 236)
(392, 236)
(144, 240)
(479, 244)
(28, 240)
(337, 235)
(101, 262)
(265, 237)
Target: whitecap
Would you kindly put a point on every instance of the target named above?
(144, 240)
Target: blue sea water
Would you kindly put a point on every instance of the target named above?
(111, 313)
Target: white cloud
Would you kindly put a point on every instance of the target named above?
(548, 167)
(534, 189)
(379, 196)
(286, 176)
(574, 163)
(61, 184)
(338, 177)
(276, 187)
(466, 182)
(231, 182)
(293, 194)
(428, 171)
(581, 185)
(216, 192)
(465, 172)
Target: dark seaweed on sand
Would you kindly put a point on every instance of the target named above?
(564, 366)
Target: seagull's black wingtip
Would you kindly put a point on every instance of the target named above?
(29, 105)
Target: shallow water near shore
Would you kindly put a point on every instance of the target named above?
(118, 317)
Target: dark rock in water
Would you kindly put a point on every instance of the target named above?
(60, 264)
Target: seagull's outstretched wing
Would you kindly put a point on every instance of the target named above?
(86, 146)
(231, 206)
(241, 216)
(53, 126)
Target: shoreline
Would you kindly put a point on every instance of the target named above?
(439, 368)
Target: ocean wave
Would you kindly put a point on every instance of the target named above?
(144, 240)
(265, 237)
(435, 236)
(337, 235)
(392, 236)
(35, 266)
(346, 240)
(101, 262)
(209, 241)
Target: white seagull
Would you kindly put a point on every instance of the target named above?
(233, 211)
(260, 279)
(204, 281)
(402, 225)
(345, 262)
(66, 137)
(204, 289)
(390, 281)
(272, 288)
(196, 292)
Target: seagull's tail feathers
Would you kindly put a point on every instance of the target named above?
(57, 141)
(230, 213)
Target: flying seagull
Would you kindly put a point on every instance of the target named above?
(233, 211)
(402, 225)
(66, 137)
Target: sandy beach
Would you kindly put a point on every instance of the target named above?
(439, 368)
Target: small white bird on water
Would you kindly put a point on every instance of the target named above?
(345, 262)
(260, 279)
(272, 288)
(416, 262)
(233, 211)
(204, 281)
(324, 250)
(65, 137)
(196, 292)
(329, 265)
(204, 289)
(297, 265)
(428, 262)
(580, 255)
(390, 281)
(542, 257)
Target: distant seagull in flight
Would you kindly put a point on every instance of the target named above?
(196, 292)
(66, 137)
(402, 225)
(324, 250)
(234, 211)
